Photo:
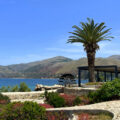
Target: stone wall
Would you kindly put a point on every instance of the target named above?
(25, 95)
(78, 91)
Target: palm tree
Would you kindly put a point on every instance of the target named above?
(90, 34)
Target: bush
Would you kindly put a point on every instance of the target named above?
(108, 91)
(61, 115)
(23, 111)
(71, 100)
(77, 101)
(24, 87)
(55, 100)
(15, 88)
(4, 99)
(5, 89)
(46, 106)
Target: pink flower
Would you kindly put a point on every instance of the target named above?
(46, 105)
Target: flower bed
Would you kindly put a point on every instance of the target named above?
(46, 106)
(61, 100)
(31, 110)
(57, 115)
(100, 116)
(69, 99)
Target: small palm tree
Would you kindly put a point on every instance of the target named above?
(90, 34)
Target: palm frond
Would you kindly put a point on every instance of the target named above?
(90, 33)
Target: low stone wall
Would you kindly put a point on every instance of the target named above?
(25, 95)
(78, 91)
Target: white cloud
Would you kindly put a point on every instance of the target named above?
(112, 52)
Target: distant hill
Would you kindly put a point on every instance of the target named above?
(52, 67)
(46, 68)
(22, 67)
(115, 57)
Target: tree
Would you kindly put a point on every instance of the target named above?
(90, 34)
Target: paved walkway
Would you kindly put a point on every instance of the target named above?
(112, 106)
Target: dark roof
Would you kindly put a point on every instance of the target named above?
(67, 76)
(108, 68)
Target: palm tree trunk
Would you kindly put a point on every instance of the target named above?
(91, 62)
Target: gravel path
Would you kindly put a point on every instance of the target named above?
(112, 106)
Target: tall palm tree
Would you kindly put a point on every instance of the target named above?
(90, 34)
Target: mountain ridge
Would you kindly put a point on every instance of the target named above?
(52, 67)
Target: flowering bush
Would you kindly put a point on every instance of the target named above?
(4, 99)
(70, 100)
(84, 116)
(23, 111)
(57, 115)
(85, 100)
(46, 106)
(61, 100)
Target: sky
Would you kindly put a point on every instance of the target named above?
(33, 30)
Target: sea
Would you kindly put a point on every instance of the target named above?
(31, 83)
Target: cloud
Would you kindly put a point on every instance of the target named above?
(112, 52)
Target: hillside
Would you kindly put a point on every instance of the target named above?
(52, 67)
(115, 57)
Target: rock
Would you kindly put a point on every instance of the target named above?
(40, 87)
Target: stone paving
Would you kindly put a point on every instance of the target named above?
(112, 106)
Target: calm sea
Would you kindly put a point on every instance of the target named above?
(30, 82)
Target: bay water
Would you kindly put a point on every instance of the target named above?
(31, 83)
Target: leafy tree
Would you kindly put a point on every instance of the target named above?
(90, 34)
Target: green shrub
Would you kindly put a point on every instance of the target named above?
(77, 101)
(4, 99)
(15, 88)
(55, 100)
(5, 89)
(108, 91)
(23, 111)
(24, 87)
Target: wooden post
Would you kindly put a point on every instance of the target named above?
(111, 76)
(79, 77)
(105, 76)
(98, 79)
(116, 72)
